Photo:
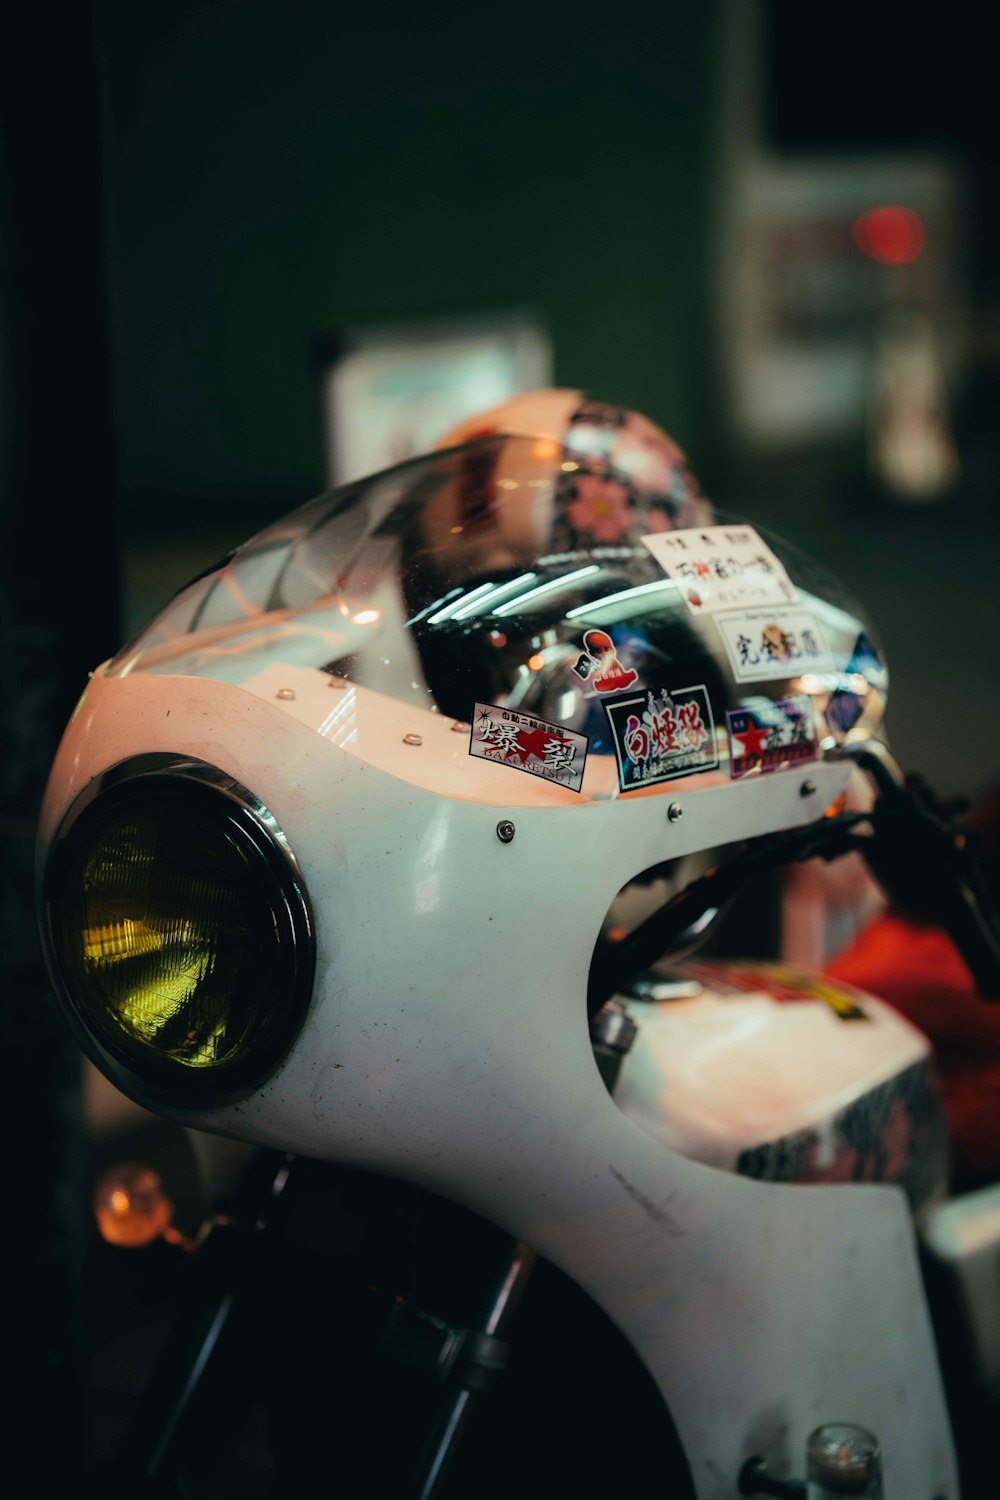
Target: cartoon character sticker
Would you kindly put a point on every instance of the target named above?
(528, 744)
(770, 736)
(598, 664)
(659, 737)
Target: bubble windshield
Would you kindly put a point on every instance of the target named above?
(555, 606)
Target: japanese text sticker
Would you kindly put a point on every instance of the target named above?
(659, 737)
(768, 643)
(528, 744)
(770, 736)
(721, 567)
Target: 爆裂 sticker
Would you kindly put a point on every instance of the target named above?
(527, 743)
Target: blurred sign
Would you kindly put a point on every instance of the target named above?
(821, 252)
(395, 391)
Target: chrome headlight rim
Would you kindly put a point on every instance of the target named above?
(151, 1080)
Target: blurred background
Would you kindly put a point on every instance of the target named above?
(247, 251)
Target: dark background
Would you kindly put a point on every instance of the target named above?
(195, 196)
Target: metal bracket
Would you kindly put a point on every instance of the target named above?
(462, 1357)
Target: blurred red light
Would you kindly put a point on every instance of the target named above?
(892, 235)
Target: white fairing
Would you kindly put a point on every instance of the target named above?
(963, 1236)
(761, 1310)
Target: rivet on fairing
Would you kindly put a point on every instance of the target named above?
(459, 728)
(336, 682)
(505, 830)
(807, 789)
(285, 694)
(675, 812)
(413, 739)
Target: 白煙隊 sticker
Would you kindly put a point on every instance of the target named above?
(661, 736)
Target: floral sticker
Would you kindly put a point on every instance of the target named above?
(622, 476)
(600, 508)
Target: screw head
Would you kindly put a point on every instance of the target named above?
(336, 682)
(675, 812)
(286, 694)
(413, 739)
(505, 830)
(807, 789)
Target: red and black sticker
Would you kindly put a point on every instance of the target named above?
(661, 736)
(598, 664)
(528, 744)
(771, 736)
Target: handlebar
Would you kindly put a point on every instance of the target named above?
(923, 861)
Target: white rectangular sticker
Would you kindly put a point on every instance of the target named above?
(769, 643)
(528, 744)
(721, 567)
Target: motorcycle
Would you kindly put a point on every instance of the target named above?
(388, 847)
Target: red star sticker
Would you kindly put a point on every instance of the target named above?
(752, 739)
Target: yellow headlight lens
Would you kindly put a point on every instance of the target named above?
(176, 927)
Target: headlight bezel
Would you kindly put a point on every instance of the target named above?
(185, 783)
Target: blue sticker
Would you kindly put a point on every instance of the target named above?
(846, 703)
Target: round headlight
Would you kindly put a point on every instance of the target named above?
(178, 931)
